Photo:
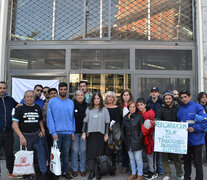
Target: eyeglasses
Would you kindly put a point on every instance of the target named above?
(39, 90)
(45, 92)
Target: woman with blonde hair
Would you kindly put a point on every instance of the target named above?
(115, 117)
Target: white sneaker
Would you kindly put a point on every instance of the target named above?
(166, 178)
(180, 178)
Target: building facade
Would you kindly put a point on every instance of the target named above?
(112, 44)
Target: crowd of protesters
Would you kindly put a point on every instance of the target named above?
(84, 127)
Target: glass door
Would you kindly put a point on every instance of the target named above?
(101, 82)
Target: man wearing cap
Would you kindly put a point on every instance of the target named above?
(168, 112)
(195, 115)
(154, 102)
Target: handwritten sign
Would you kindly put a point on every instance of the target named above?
(171, 137)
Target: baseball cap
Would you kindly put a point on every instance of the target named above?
(154, 88)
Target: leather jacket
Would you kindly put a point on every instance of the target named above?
(132, 133)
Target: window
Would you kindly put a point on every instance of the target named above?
(37, 59)
(94, 59)
(145, 85)
(163, 59)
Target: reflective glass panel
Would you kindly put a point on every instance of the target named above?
(113, 59)
(145, 85)
(150, 59)
(101, 82)
(37, 59)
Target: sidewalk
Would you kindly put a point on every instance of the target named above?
(119, 176)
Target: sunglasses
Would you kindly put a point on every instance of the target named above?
(38, 90)
(45, 92)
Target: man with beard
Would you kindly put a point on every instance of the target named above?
(168, 112)
(38, 89)
(176, 98)
(46, 93)
(7, 103)
(61, 124)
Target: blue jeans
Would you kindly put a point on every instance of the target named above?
(35, 142)
(78, 147)
(136, 162)
(159, 162)
(64, 142)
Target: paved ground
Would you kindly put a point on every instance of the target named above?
(119, 176)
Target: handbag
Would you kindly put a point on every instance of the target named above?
(55, 163)
(115, 138)
(23, 164)
(104, 162)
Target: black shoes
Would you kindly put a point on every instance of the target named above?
(98, 175)
(91, 175)
(67, 176)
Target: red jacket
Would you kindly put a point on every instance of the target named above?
(148, 140)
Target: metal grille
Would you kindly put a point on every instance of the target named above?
(162, 20)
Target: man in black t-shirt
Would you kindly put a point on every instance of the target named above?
(28, 125)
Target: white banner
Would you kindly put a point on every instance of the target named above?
(19, 86)
(171, 137)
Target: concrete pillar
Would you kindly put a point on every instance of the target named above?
(199, 37)
(3, 34)
(204, 8)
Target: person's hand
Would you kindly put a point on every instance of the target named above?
(106, 137)
(20, 104)
(55, 137)
(190, 129)
(154, 123)
(73, 137)
(110, 128)
(41, 133)
(23, 141)
(83, 136)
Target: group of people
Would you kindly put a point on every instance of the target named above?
(83, 128)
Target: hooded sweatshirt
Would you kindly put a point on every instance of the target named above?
(7, 103)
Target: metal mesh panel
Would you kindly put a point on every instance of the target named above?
(162, 20)
(96, 22)
(69, 19)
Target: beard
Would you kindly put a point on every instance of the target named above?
(62, 94)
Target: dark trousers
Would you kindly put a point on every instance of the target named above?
(7, 141)
(195, 153)
(125, 157)
(91, 164)
(206, 144)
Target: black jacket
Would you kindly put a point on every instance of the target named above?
(167, 114)
(132, 133)
(79, 114)
(6, 105)
(154, 105)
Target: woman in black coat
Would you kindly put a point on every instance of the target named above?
(134, 139)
